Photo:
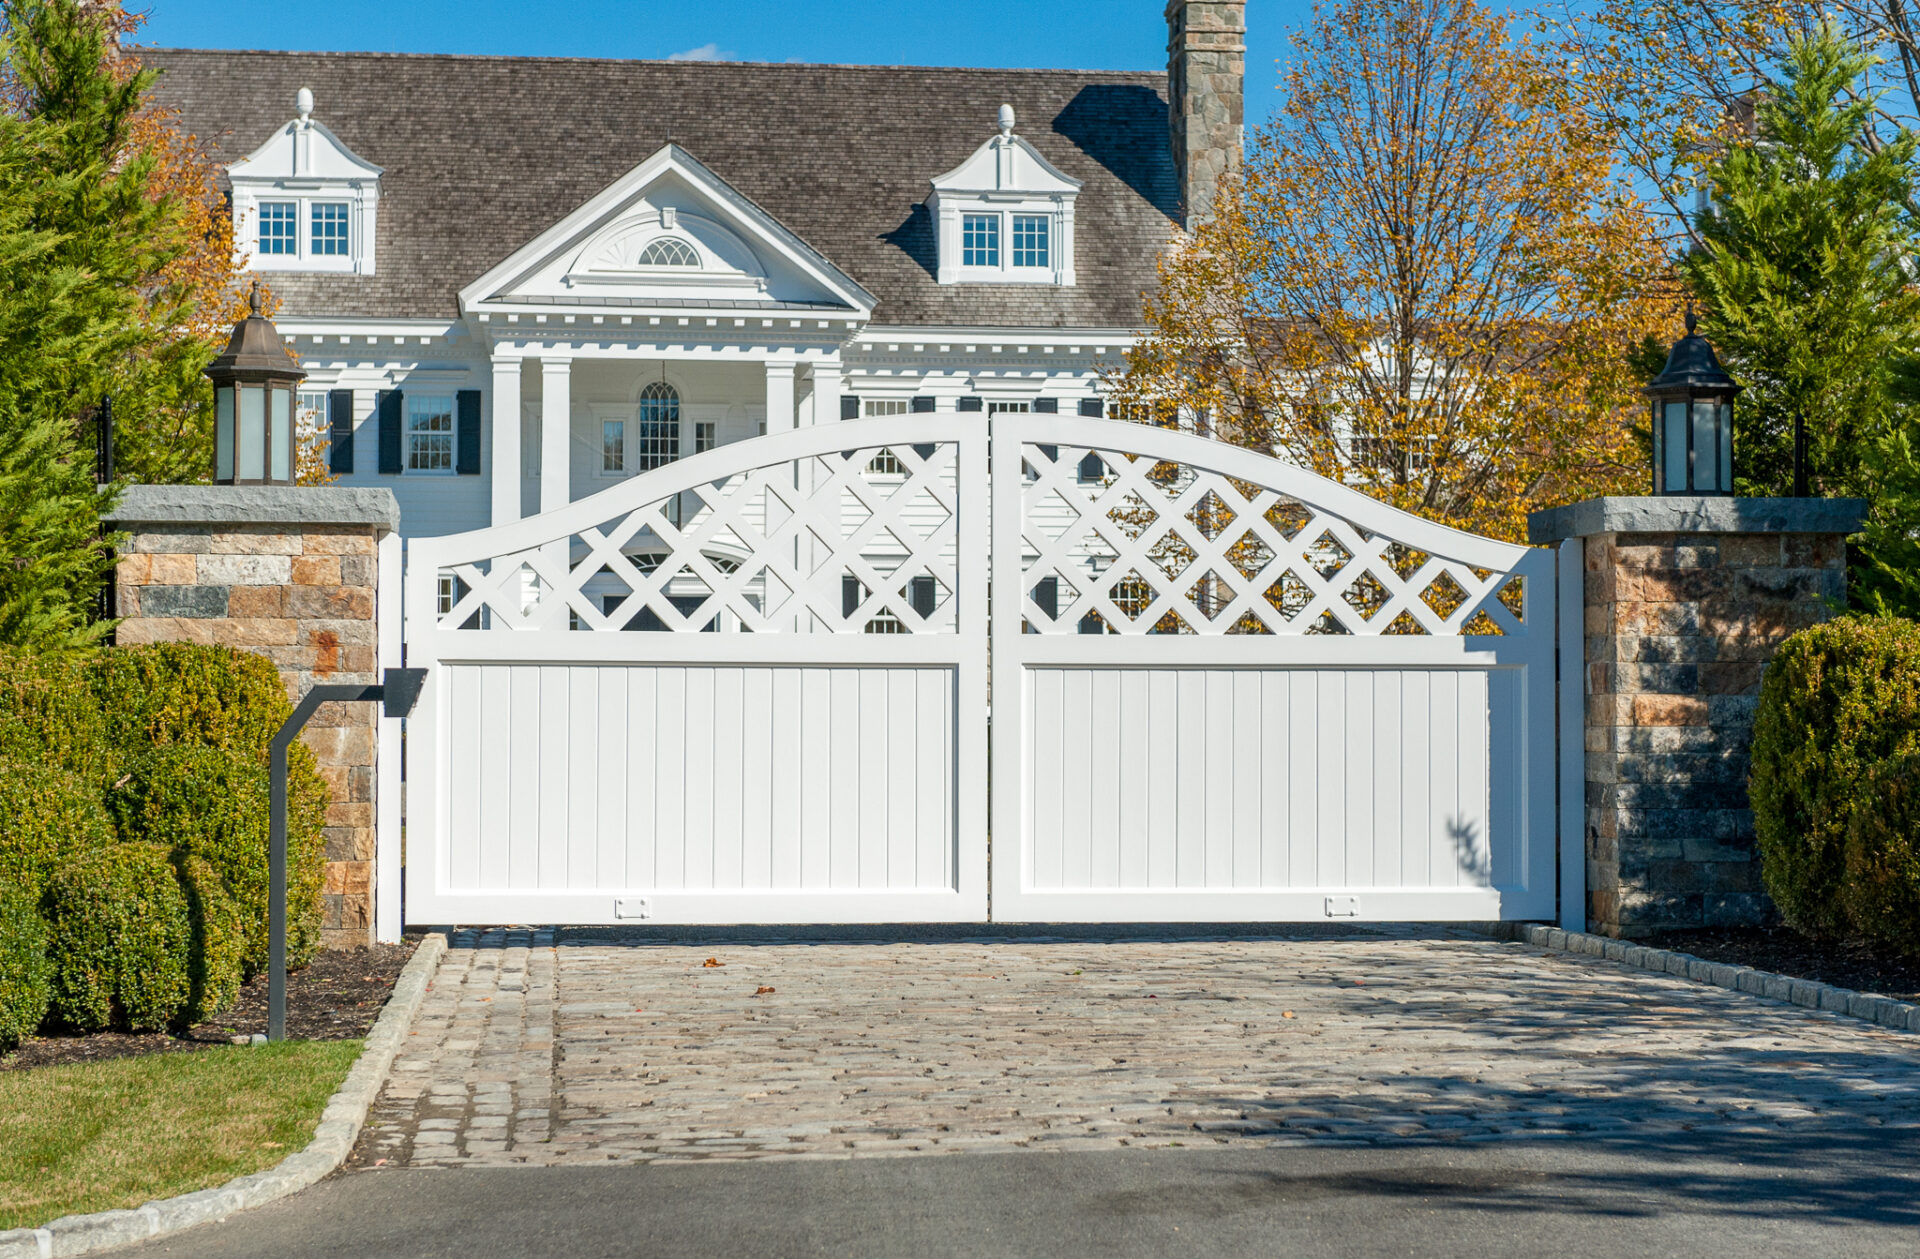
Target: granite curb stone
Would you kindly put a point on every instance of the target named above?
(332, 1141)
(1868, 1007)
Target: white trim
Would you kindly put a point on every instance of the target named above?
(388, 913)
(578, 227)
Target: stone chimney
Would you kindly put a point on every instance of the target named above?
(1206, 96)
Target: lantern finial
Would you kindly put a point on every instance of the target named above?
(1693, 320)
(253, 299)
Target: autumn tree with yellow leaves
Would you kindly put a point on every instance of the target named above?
(1427, 281)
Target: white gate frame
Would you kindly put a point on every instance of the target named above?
(1015, 653)
(540, 543)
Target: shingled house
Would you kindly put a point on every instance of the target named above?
(515, 281)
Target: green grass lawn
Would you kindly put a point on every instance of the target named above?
(96, 1136)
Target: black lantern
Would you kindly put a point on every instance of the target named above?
(254, 384)
(1692, 420)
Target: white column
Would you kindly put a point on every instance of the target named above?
(388, 913)
(556, 432)
(826, 392)
(779, 397)
(506, 440)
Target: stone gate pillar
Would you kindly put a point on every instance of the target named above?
(1684, 600)
(309, 578)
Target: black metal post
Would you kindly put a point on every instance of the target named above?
(103, 441)
(397, 694)
(1799, 454)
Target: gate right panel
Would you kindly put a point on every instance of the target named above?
(1241, 692)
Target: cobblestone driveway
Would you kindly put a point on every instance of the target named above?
(536, 1050)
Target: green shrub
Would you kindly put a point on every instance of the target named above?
(1881, 894)
(23, 965)
(48, 714)
(1838, 699)
(47, 818)
(218, 942)
(216, 697)
(119, 939)
(213, 804)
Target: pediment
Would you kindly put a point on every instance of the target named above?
(303, 149)
(668, 231)
(1006, 163)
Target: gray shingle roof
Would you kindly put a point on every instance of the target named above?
(482, 154)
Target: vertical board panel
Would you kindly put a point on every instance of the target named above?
(554, 733)
(670, 778)
(1360, 772)
(1389, 770)
(1076, 773)
(899, 777)
(1103, 783)
(1046, 785)
(610, 781)
(523, 765)
(1416, 780)
(1276, 703)
(1303, 779)
(1443, 754)
(870, 778)
(726, 757)
(697, 796)
(1247, 773)
(1162, 794)
(463, 755)
(1472, 834)
(757, 736)
(1216, 779)
(643, 778)
(1188, 763)
(843, 778)
(1330, 784)
(583, 791)
(1133, 732)
(815, 720)
(1505, 774)
(934, 803)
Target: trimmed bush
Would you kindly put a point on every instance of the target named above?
(218, 945)
(23, 966)
(47, 818)
(214, 805)
(1881, 894)
(1838, 699)
(48, 714)
(217, 697)
(119, 938)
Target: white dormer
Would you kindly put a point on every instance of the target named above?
(1005, 215)
(304, 202)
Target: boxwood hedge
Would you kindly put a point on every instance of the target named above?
(119, 939)
(1838, 701)
(23, 965)
(47, 818)
(49, 716)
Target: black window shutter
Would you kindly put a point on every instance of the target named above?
(388, 405)
(1046, 596)
(923, 404)
(849, 595)
(1047, 406)
(466, 440)
(968, 404)
(849, 407)
(923, 449)
(1092, 407)
(921, 592)
(1092, 467)
(340, 431)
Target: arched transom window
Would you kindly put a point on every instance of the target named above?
(659, 424)
(669, 251)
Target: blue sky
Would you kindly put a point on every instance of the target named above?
(1078, 34)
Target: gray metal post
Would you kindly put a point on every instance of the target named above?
(397, 694)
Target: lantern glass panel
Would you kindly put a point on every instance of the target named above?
(1674, 456)
(253, 433)
(1706, 446)
(282, 445)
(223, 433)
(1726, 447)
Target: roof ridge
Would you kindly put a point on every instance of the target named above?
(519, 59)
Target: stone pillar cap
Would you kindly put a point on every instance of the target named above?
(256, 505)
(1684, 513)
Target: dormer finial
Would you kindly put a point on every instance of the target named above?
(303, 103)
(1006, 120)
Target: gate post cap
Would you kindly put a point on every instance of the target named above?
(1679, 513)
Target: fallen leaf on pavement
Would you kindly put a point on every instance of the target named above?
(763, 990)
(1286, 1014)
(712, 961)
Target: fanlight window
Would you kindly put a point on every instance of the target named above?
(669, 251)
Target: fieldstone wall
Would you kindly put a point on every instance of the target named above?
(1684, 602)
(302, 593)
(1206, 95)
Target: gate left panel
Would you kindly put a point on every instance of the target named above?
(747, 687)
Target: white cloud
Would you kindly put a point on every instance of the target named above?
(705, 52)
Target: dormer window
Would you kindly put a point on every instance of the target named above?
(1005, 215)
(669, 251)
(304, 202)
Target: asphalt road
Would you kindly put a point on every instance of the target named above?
(1796, 1191)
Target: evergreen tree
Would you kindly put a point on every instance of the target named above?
(1803, 272)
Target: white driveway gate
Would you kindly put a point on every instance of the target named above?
(1226, 689)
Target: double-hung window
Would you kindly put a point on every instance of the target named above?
(885, 463)
(280, 227)
(613, 447)
(429, 433)
(327, 231)
(1030, 240)
(980, 240)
